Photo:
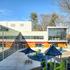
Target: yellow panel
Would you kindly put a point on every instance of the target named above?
(8, 44)
(63, 45)
(31, 44)
(46, 44)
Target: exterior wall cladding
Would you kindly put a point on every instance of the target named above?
(21, 32)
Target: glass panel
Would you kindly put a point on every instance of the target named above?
(0, 45)
(57, 33)
(32, 37)
(39, 45)
(23, 37)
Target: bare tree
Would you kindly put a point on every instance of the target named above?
(44, 21)
(64, 5)
(53, 20)
(48, 20)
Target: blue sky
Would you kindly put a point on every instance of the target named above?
(21, 9)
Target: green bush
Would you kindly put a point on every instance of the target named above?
(45, 68)
(43, 63)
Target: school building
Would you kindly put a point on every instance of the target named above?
(19, 33)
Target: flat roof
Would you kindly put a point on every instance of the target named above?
(57, 27)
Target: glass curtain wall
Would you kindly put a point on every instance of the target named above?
(57, 33)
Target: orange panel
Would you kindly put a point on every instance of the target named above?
(63, 45)
(31, 44)
(46, 44)
(8, 44)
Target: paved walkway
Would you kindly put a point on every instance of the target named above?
(16, 61)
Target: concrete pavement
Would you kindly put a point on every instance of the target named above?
(16, 61)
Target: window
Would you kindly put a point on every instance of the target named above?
(55, 44)
(22, 37)
(8, 37)
(39, 45)
(32, 37)
(0, 44)
(57, 34)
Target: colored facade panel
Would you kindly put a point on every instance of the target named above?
(31, 44)
(63, 45)
(8, 44)
(34, 44)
